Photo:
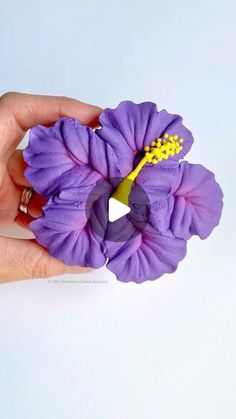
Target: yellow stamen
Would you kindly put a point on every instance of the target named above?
(160, 149)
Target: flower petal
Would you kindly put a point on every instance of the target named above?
(198, 202)
(130, 127)
(74, 248)
(160, 214)
(54, 151)
(72, 231)
(145, 257)
(156, 181)
(78, 183)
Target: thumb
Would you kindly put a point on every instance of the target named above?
(20, 112)
(25, 259)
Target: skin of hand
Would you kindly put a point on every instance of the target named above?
(19, 258)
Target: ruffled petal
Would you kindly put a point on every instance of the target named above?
(54, 151)
(160, 214)
(78, 183)
(147, 256)
(156, 181)
(129, 127)
(72, 229)
(74, 247)
(198, 202)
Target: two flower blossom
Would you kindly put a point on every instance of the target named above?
(69, 160)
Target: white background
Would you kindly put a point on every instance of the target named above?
(90, 347)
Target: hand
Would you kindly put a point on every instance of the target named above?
(23, 259)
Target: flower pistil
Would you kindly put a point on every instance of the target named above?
(161, 149)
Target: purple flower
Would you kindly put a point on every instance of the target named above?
(76, 169)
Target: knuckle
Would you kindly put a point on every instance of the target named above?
(64, 98)
(40, 269)
(18, 265)
(8, 96)
(67, 99)
(44, 267)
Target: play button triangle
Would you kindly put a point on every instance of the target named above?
(116, 209)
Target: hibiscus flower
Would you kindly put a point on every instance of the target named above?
(77, 169)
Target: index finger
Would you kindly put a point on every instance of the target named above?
(19, 112)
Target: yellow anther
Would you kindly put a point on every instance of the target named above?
(160, 149)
